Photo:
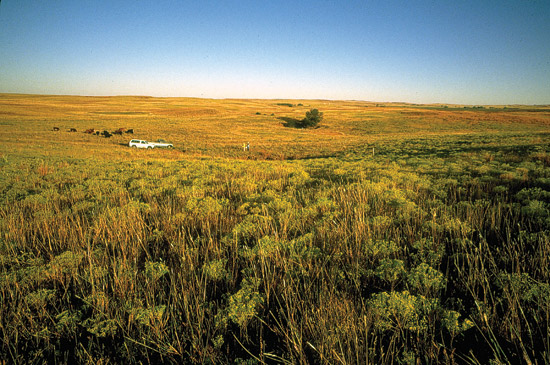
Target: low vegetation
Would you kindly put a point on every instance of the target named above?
(394, 234)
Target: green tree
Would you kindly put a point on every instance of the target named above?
(312, 119)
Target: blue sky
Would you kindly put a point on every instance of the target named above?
(430, 51)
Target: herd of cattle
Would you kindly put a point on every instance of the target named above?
(106, 134)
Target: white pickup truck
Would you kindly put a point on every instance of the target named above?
(139, 143)
(161, 143)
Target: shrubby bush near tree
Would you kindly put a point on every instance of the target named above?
(312, 119)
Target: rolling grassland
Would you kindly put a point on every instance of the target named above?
(393, 233)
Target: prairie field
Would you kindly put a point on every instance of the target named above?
(392, 233)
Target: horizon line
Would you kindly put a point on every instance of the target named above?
(277, 98)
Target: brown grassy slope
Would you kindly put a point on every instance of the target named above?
(220, 127)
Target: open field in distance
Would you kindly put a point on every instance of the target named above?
(309, 248)
(219, 127)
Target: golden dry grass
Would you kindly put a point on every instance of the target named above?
(219, 127)
(433, 251)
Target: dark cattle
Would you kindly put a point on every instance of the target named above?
(55, 128)
(89, 131)
(130, 131)
(96, 133)
(106, 134)
(119, 132)
(72, 130)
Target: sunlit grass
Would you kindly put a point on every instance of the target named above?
(310, 248)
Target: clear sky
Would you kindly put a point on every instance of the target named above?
(429, 51)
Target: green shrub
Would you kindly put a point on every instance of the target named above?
(312, 119)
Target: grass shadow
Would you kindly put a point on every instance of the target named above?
(290, 122)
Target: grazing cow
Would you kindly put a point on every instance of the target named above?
(96, 133)
(72, 130)
(119, 131)
(55, 128)
(130, 131)
(106, 134)
(89, 131)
